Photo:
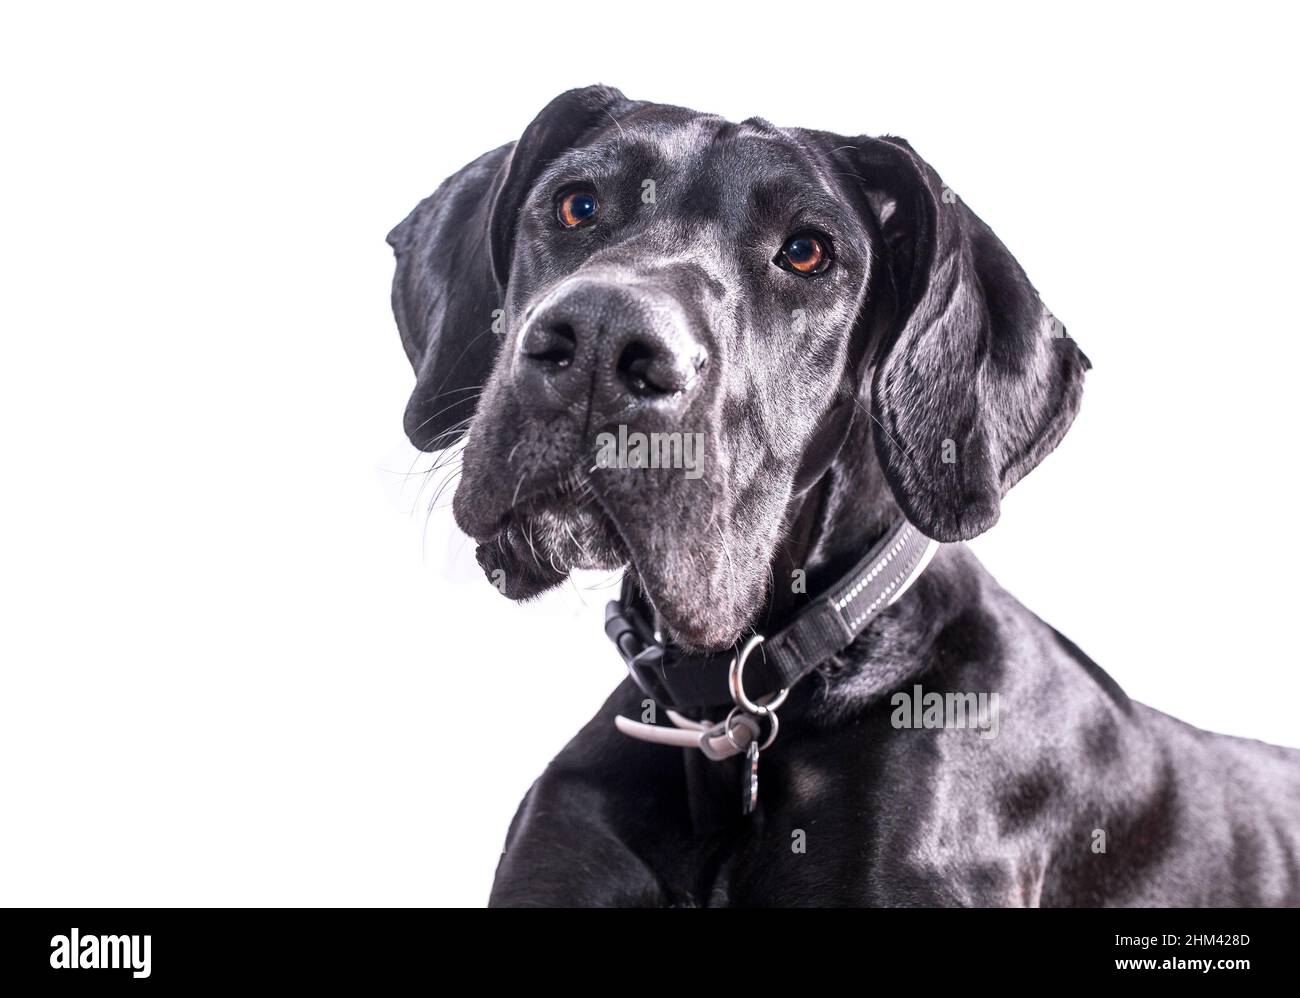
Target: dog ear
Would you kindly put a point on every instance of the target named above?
(977, 381)
(444, 293)
(453, 263)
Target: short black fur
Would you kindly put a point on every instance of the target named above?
(920, 376)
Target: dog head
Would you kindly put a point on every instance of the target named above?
(655, 326)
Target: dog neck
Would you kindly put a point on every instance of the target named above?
(836, 589)
(843, 514)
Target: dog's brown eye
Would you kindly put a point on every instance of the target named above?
(576, 208)
(804, 254)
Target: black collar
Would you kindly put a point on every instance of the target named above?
(681, 680)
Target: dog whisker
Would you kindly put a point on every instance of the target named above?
(429, 419)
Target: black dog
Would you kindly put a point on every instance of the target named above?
(856, 350)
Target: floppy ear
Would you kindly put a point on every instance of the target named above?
(453, 262)
(444, 292)
(977, 381)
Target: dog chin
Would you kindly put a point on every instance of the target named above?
(536, 549)
(696, 632)
(535, 546)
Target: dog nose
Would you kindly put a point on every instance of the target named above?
(623, 345)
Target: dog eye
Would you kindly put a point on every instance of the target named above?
(805, 254)
(576, 208)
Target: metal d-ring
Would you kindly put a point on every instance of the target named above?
(736, 682)
(734, 720)
(771, 735)
(723, 728)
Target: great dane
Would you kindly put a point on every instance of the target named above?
(866, 371)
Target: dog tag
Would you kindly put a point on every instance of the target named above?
(749, 779)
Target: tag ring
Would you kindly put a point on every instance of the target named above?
(771, 736)
(724, 728)
(736, 682)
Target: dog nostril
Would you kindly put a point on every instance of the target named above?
(634, 369)
(551, 343)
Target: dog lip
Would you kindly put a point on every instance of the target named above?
(545, 533)
(549, 490)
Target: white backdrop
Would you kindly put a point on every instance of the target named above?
(241, 661)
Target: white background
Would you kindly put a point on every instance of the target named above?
(241, 661)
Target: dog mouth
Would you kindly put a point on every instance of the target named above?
(547, 533)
